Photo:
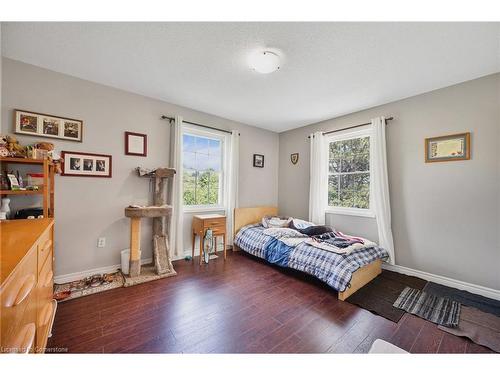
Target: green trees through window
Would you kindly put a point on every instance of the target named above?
(202, 160)
(349, 173)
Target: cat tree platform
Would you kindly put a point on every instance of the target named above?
(148, 211)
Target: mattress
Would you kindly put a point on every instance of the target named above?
(334, 269)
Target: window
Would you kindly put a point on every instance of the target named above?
(349, 173)
(203, 177)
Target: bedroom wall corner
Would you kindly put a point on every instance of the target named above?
(445, 216)
(88, 208)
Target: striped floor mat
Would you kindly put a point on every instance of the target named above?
(438, 310)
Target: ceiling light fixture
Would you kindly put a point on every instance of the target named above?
(265, 62)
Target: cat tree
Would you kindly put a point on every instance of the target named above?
(161, 214)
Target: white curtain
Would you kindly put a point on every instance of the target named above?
(176, 199)
(232, 183)
(318, 185)
(380, 186)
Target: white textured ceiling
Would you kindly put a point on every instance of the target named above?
(329, 69)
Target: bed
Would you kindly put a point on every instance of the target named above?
(344, 273)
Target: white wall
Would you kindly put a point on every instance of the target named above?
(446, 216)
(88, 208)
(1, 122)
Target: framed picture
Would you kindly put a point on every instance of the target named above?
(43, 125)
(294, 158)
(258, 161)
(447, 148)
(86, 165)
(136, 144)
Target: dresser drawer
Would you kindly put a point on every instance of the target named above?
(17, 292)
(216, 228)
(44, 248)
(20, 337)
(217, 231)
(44, 319)
(45, 289)
(45, 282)
(214, 222)
(45, 266)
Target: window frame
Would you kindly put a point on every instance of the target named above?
(196, 131)
(344, 136)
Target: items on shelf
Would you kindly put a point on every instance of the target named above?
(10, 147)
(35, 180)
(41, 183)
(29, 213)
(5, 209)
(4, 151)
(16, 182)
(13, 147)
(13, 182)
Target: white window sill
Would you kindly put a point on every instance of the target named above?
(195, 209)
(350, 211)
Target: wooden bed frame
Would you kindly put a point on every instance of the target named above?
(252, 215)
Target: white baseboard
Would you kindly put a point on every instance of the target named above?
(473, 288)
(61, 279)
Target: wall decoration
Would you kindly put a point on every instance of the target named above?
(43, 125)
(86, 165)
(294, 158)
(447, 148)
(258, 161)
(136, 144)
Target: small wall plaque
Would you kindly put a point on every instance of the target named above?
(258, 161)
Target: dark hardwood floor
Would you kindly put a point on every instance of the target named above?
(242, 305)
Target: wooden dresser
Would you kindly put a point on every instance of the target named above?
(27, 280)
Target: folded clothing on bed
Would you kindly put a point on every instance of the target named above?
(333, 241)
(289, 236)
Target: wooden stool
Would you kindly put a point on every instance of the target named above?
(203, 222)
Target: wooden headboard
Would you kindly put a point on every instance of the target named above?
(251, 215)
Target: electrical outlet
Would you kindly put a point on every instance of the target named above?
(101, 242)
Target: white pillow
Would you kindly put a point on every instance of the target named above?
(275, 222)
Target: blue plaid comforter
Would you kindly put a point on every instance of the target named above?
(334, 269)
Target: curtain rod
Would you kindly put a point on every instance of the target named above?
(163, 117)
(352, 127)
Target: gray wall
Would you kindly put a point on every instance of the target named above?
(445, 216)
(88, 208)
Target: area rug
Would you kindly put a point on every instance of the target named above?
(74, 289)
(480, 327)
(438, 310)
(379, 294)
(148, 273)
(487, 305)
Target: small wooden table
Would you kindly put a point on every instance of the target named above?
(203, 222)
